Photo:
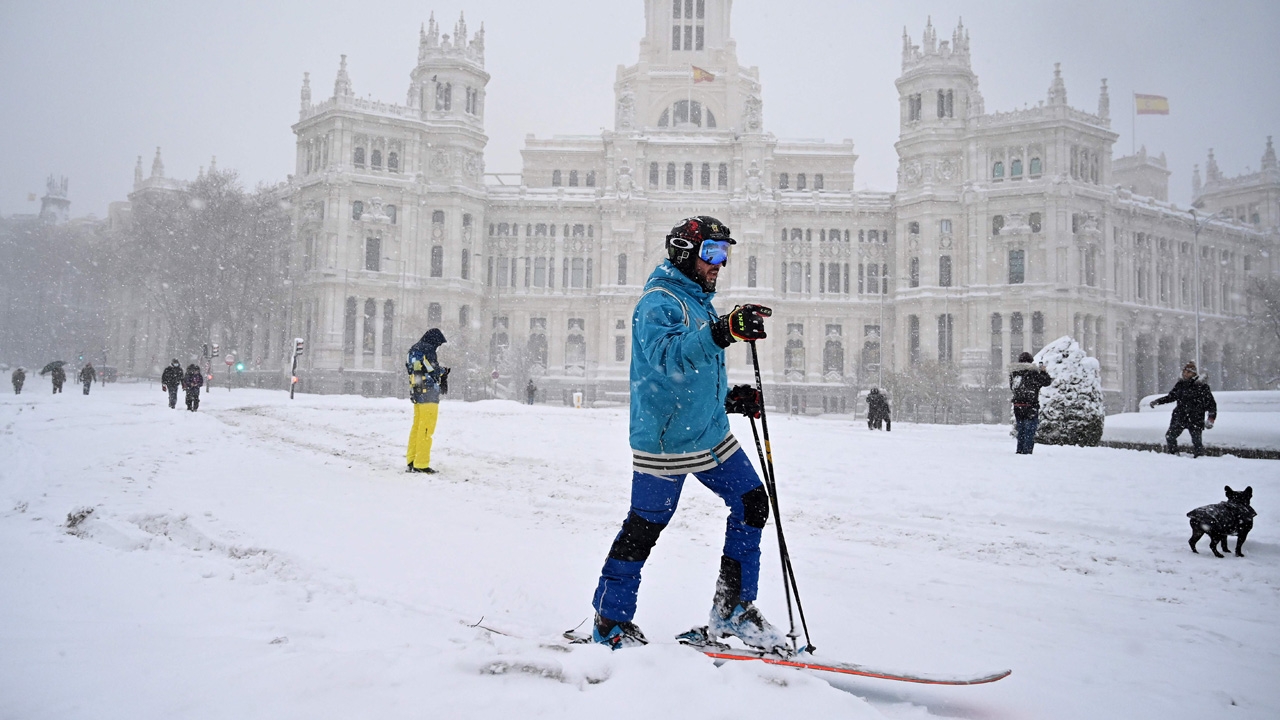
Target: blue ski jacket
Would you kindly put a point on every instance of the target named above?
(424, 368)
(678, 379)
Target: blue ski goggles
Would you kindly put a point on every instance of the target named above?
(715, 252)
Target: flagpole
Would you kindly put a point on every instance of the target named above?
(1133, 139)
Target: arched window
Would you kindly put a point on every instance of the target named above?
(722, 177)
(802, 182)
(1036, 222)
(711, 119)
(358, 157)
(654, 172)
(997, 224)
(368, 342)
(357, 210)
(671, 175)
(1035, 166)
(793, 359)
(913, 228)
(997, 171)
(688, 176)
(706, 176)
(555, 178)
(664, 120)
(393, 162)
(784, 181)
(573, 178)
(375, 159)
(818, 182)
(444, 96)
(591, 178)
(1015, 168)
(391, 214)
(833, 358)
(538, 342)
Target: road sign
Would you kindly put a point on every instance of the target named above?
(230, 359)
(495, 375)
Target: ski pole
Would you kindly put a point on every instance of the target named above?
(768, 483)
(787, 569)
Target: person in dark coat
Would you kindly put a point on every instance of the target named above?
(59, 376)
(1025, 380)
(19, 377)
(171, 380)
(878, 411)
(531, 391)
(192, 382)
(1195, 399)
(427, 382)
(87, 376)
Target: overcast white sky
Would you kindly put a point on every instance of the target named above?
(89, 86)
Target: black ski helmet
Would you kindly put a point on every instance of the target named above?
(685, 238)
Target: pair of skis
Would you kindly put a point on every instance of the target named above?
(701, 640)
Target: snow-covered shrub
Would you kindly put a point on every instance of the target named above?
(1072, 410)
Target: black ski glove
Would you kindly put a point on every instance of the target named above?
(444, 381)
(744, 399)
(744, 322)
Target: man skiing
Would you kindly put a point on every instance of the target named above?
(19, 377)
(1025, 380)
(87, 376)
(191, 382)
(1194, 398)
(427, 381)
(170, 380)
(679, 425)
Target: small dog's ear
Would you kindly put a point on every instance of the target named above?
(1248, 492)
(1228, 489)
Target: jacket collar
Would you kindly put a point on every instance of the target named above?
(670, 276)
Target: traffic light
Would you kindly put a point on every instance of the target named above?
(297, 346)
(215, 348)
(239, 367)
(81, 357)
(206, 350)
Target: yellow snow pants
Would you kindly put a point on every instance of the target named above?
(424, 426)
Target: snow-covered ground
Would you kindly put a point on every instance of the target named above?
(1246, 419)
(269, 559)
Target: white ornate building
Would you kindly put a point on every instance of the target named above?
(1006, 230)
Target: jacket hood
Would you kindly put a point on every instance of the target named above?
(433, 338)
(1020, 366)
(192, 367)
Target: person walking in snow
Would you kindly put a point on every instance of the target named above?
(58, 376)
(192, 381)
(1195, 399)
(171, 380)
(1025, 380)
(19, 377)
(531, 391)
(87, 376)
(878, 411)
(679, 425)
(427, 382)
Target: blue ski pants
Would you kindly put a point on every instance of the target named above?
(653, 504)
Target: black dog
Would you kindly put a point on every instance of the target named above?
(1233, 517)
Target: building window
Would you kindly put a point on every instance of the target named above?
(913, 339)
(997, 171)
(373, 254)
(540, 272)
(653, 175)
(705, 176)
(946, 106)
(444, 96)
(793, 360)
(1036, 167)
(722, 177)
(1017, 267)
(913, 228)
(784, 181)
(1015, 336)
(465, 265)
(388, 327)
(437, 261)
(357, 157)
(591, 178)
(914, 106)
(349, 327)
(1037, 329)
(818, 183)
(434, 313)
(393, 162)
(577, 277)
(357, 210)
(802, 182)
(997, 340)
(464, 316)
(944, 226)
(944, 271)
(619, 348)
(1015, 168)
(573, 178)
(368, 341)
(1036, 222)
(688, 176)
(751, 271)
(945, 328)
(437, 217)
(913, 272)
(555, 178)
(997, 224)
(375, 159)
(833, 353)
(671, 175)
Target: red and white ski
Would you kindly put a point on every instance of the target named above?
(699, 640)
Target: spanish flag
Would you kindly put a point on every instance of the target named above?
(700, 75)
(1150, 104)
(31, 197)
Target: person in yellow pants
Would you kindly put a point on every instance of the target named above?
(427, 382)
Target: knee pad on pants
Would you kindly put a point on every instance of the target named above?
(636, 540)
(755, 507)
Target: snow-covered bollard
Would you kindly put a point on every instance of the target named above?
(1072, 409)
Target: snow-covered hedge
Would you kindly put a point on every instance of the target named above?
(1072, 411)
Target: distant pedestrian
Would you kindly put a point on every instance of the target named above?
(1194, 398)
(87, 376)
(19, 377)
(171, 380)
(878, 411)
(530, 391)
(1025, 380)
(59, 376)
(427, 381)
(191, 382)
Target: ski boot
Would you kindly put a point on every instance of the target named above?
(617, 635)
(731, 615)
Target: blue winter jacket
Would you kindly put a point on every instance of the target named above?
(424, 368)
(678, 379)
